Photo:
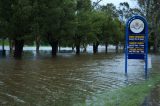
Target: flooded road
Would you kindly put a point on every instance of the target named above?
(65, 80)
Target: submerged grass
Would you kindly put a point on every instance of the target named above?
(131, 95)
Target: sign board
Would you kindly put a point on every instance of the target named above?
(136, 40)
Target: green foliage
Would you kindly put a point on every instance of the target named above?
(111, 10)
(92, 27)
(150, 10)
(38, 13)
(83, 17)
(5, 14)
(65, 21)
(112, 29)
(15, 18)
(6, 43)
(59, 18)
(125, 11)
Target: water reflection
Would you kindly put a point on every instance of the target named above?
(64, 80)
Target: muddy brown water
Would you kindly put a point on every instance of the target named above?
(65, 80)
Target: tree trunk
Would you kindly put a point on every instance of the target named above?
(59, 48)
(54, 45)
(116, 48)
(10, 45)
(155, 43)
(73, 48)
(95, 47)
(155, 35)
(3, 44)
(84, 48)
(77, 45)
(106, 44)
(78, 48)
(37, 47)
(53, 42)
(149, 47)
(3, 49)
(37, 44)
(18, 48)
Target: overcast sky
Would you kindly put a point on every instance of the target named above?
(132, 3)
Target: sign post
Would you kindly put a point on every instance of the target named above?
(136, 41)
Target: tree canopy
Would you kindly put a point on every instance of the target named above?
(59, 22)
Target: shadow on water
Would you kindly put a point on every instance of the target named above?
(63, 80)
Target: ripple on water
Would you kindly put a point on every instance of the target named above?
(15, 98)
(1, 83)
(65, 80)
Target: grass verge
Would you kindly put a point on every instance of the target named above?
(132, 95)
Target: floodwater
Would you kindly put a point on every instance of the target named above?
(65, 80)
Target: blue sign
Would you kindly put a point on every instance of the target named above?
(136, 40)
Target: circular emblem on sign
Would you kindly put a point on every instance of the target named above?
(137, 26)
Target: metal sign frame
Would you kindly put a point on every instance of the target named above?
(145, 33)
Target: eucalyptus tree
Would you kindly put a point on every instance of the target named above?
(96, 35)
(3, 34)
(68, 23)
(83, 21)
(110, 26)
(58, 21)
(38, 13)
(117, 33)
(124, 11)
(155, 21)
(150, 10)
(2, 37)
(5, 13)
(20, 24)
(16, 16)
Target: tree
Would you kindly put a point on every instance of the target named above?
(97, 22)
(109, 26)
(59, 17)
(118, 33)
(20, 24)
(83, 21)
(38, 13)
(155, 22)
(124, 11)
(17, 17)
(5, 13)
(150, 10)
